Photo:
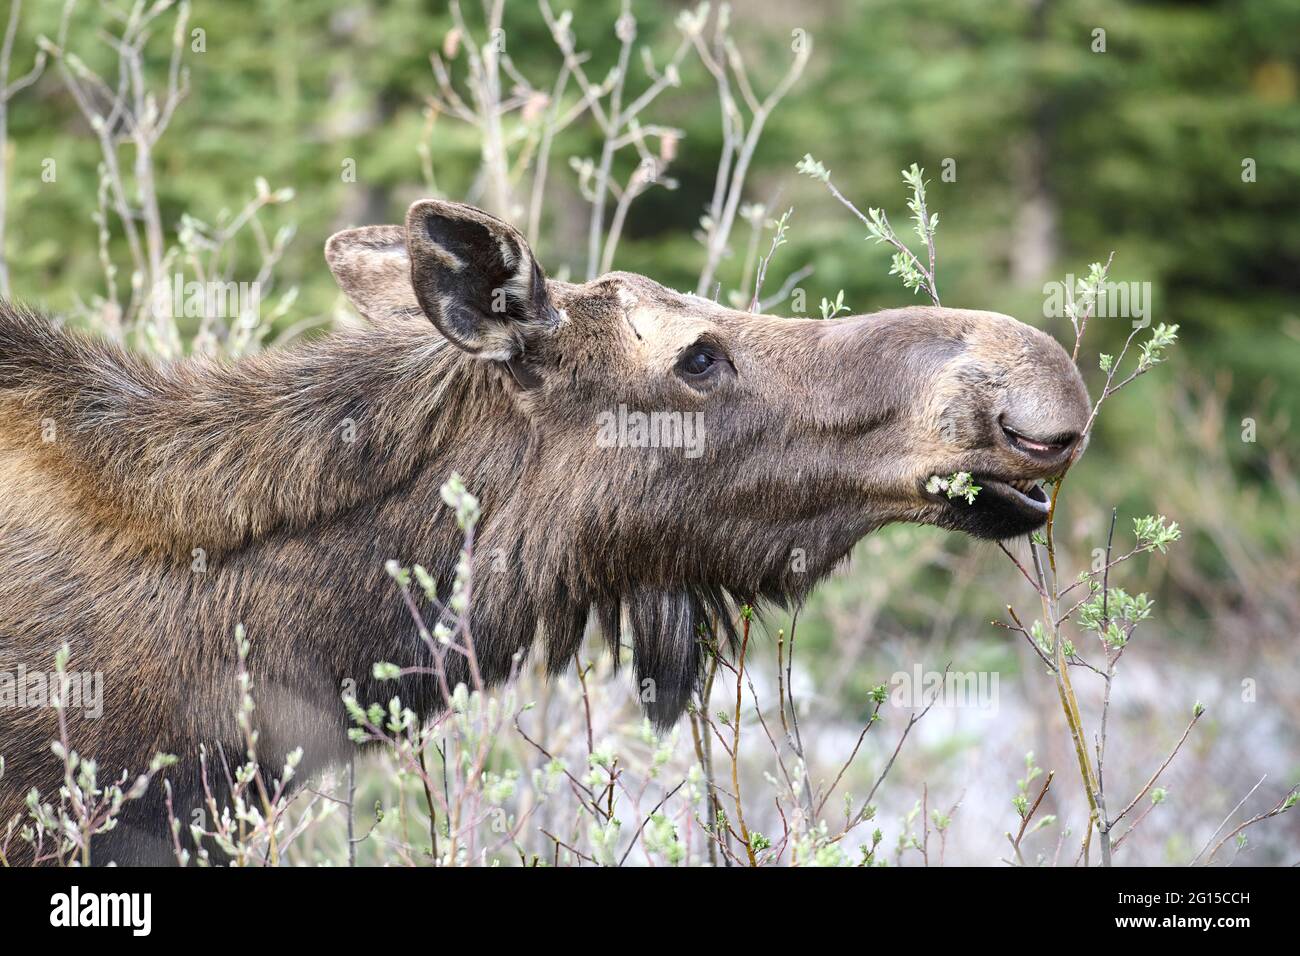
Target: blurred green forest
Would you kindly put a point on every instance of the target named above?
(1061, 154)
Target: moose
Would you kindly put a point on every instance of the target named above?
(298, 473)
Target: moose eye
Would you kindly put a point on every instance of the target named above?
(697, 360)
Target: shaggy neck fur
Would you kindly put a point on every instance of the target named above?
(199, 454)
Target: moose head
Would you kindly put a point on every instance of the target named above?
(679, 451)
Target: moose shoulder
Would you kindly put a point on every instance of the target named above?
(147, 509)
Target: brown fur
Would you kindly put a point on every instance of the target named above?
(816, 434)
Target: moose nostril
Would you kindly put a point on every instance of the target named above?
(1048, 445)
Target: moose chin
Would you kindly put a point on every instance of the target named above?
(147, 509)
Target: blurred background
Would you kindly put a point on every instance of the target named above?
(1171, 138)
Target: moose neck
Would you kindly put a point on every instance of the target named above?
(197, 455)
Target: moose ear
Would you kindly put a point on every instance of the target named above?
(476, 279)
(372, 268)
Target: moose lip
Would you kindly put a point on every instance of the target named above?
(1021, 496)
(1039, 449)
(1026, 493)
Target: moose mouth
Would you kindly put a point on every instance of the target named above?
(1002, 508)
(1027, 493)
